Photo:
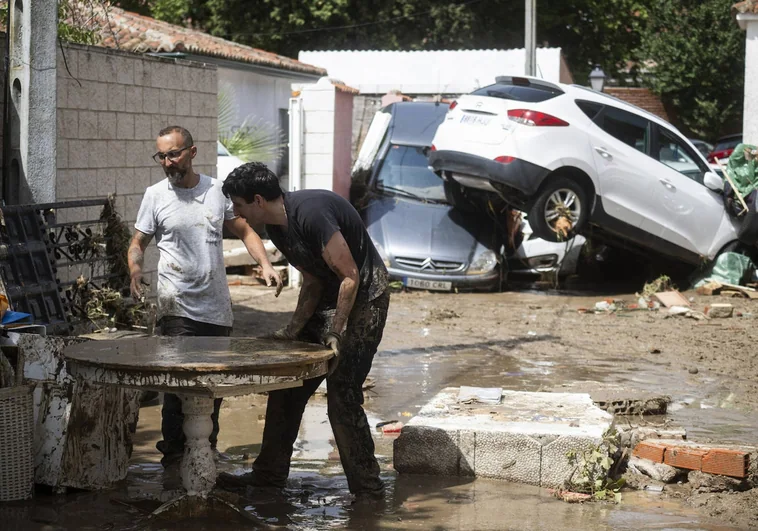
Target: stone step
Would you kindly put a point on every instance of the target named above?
(523, 439)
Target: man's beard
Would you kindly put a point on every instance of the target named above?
(175, 176)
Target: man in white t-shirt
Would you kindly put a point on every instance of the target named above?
(186, 213)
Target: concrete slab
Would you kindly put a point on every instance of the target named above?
(523, 439)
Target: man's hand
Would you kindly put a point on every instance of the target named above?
(136, 287)
(333, 341)
(271, 276)
(283, 333)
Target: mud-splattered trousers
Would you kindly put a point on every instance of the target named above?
(352, 432)
(172, 445)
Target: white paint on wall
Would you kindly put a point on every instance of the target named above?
(749, 22)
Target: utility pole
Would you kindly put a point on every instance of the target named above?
(530, 37)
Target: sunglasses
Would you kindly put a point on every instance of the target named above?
(170, 155)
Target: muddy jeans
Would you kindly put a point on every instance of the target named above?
(352, 432)
(172, 445)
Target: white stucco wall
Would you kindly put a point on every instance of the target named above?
(749, 22)
(258, 95)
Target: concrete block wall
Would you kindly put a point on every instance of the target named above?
(318, 152)
(111, 106)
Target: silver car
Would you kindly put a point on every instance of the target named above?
(424, 241)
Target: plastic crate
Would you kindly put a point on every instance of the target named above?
(16, 439)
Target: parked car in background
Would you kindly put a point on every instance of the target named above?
(724, 148)
(424, 241)
(580, 160)
(225, 161)
(702, 146)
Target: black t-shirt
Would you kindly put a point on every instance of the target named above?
(313, 217)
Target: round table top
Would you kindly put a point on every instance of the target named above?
(196, 354)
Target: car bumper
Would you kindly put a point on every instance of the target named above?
(484, 281)
(519, 174)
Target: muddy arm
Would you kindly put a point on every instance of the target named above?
(340, 260)
(136, 259)
(254, 246)
(307, 302)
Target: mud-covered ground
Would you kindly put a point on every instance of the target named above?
(528, 340)
(539, 341)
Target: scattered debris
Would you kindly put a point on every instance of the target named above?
(630, 402)
(654, 488)
(569, 496)
(685, 311)
(671, 298)
(440, 314)
(720, 311)
(657, 471)
(693, 370)
(660, 284)
(479, 395)
(701, 482)
(392, 429)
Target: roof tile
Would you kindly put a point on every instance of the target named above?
(129, 31)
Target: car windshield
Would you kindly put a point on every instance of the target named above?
(405, 171)
(727, 143)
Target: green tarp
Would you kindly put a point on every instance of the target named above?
(728, 268)
(742, 170)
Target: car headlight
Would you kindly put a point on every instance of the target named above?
(484, 263)
(383, 254)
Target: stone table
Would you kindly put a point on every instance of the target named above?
(198, 370)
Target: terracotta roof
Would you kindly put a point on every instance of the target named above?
(129, 31)
(341, 87)
(748, 6)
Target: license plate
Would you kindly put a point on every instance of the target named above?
(475, 119)
(434, 285)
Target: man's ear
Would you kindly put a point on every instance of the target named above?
(193, 151)
(258, 200)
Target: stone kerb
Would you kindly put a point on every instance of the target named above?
(523, 439)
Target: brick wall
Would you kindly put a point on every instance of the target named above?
(110, 109)
(641, 97)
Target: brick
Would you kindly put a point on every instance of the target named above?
(116, 97)
(61, 154)
(106, 182)
(86, 183)
(71, 59)
(650, 450)
(689, 458)
(88, 66)
(61, 92)
(78, 156)
(142, 73)
(151, 102)
(116, 154)
(125, 126)
(97, 94)
(76, 95)
(125, 181)
(106, 124)
(133, 97)
(733, 462)
(68, 123)
(98, 153)
(135, 153)
(725, 462)
(143, 127)
(88, 126)
(65, 184)
(125, 70)
(167, 101)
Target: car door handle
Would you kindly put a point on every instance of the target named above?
(603, 153)
(667, 184)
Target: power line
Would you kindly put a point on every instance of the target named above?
(349, 26)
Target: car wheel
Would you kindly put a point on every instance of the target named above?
(456, 197)
(560, 210)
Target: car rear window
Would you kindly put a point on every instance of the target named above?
(590, 108)
(529, 94)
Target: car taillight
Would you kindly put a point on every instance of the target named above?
(453, 105)
(434, 148)
(535, 118)
(505, 159)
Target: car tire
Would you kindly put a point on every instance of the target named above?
(456, 197)
(554, 196)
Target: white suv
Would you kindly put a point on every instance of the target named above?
(565, 151)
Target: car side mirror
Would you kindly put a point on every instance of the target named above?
(713, 182)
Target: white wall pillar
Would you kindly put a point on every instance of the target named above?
(33, 86)
(749, 23)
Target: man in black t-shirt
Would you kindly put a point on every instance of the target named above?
(342, 303)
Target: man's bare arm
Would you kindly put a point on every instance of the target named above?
(340, 260)
(307, 302)
(136, 259)
(254, 246)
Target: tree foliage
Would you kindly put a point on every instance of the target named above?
(697, 53)
(692, 49)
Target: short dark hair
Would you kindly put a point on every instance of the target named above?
(251, 179)
(178, 129)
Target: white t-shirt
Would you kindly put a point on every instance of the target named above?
(188, 228)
